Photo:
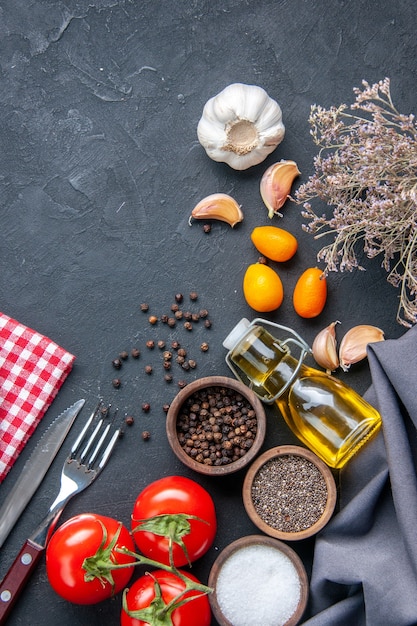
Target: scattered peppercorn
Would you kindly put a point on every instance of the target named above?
(188, 326)
(146, 407)
(165, 408)
(182, 352)
(129, 420)
(150, 344)
(144, 307)
(124, 355)
(207, 228)
(178, 315)
(192, 363)
(179, 297)
(182, 383)
(167, 365)
(167, 355)
(195, 317)
(174, 307)
(175, 344)
(207, 323)
(171, 322)
(204, 346)
(135, 353)
(263, 260)
(117, 364)
(148, 369)
(168, 378)
(203, 313)
(153, 320)
(161, 344)
(116, 382)
(188, 315)
(193, 295)
(164, 318)
(146, 435)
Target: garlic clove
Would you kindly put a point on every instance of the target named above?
(324, 348)
(218, 206)
(353, 345)
(276, 185)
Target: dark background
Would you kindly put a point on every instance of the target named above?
(100, 167)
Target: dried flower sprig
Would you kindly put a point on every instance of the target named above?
(366, 169)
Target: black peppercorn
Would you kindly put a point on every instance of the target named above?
(146, 435)
(179, 297)
(117, 364)
(135, 353)
(146, 407)
(148, 369)
(116, 382)
(144, 307)
(193, 295)
(129, 420)
(204, 347)
(123, 355)
(188, 326)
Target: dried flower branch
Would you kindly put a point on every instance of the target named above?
(366, 169)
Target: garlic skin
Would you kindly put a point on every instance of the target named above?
(353, 345)
(240, 126)
(218, 206)
(276, 185)
(324, 348)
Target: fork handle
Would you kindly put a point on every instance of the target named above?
(17, 577)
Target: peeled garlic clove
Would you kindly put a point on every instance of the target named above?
(324, 348)
(353, 345)
(218, 206)
(276, 185)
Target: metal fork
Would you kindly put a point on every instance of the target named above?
(88, 456)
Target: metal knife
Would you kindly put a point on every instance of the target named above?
(35, 468)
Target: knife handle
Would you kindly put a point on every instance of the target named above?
(17, 577)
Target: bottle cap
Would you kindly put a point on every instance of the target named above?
(236, 334)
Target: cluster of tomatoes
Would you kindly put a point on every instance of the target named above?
(79, 547)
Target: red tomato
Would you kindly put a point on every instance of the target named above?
(175, 494)
(142, 592)
(78, 538)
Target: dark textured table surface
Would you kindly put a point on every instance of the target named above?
(100, 167)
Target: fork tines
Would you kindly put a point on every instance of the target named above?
(87, 447)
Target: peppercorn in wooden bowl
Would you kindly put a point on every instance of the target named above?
(216, 425)
(289, 493)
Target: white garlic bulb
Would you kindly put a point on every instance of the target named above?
(240, 126)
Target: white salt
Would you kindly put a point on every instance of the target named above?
(258, 585)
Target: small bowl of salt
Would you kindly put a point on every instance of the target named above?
(258, 580)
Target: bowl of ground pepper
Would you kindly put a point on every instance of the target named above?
(216, 425)
(289, 493)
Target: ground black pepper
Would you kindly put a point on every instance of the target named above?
(216, 426)
(289, 493)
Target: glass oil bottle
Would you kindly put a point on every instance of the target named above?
(329, 417)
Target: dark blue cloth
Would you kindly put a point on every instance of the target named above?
(365, 560)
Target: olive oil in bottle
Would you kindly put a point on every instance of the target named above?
(325, 414)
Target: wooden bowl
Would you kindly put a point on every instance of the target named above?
(176, 409)
(316, 492)
(228, 588)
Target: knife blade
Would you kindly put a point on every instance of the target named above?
(35, 468)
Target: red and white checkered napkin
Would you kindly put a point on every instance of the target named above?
(32, 369)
